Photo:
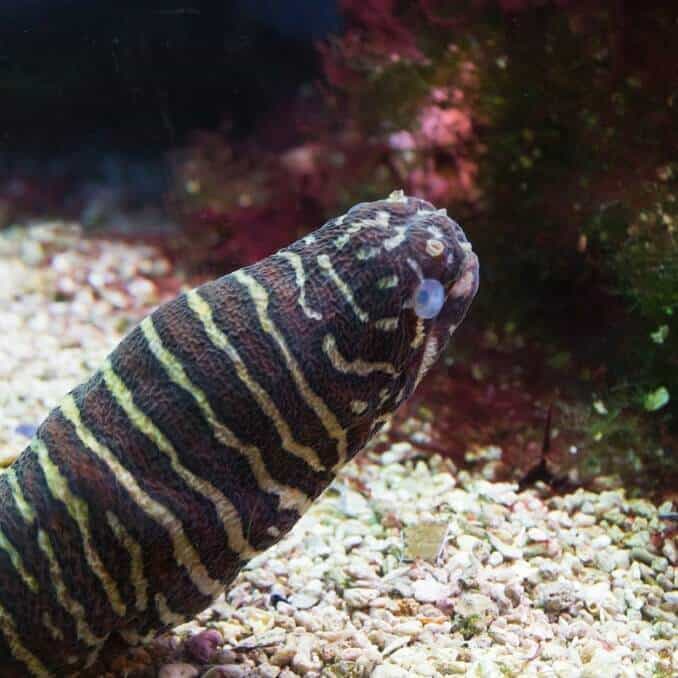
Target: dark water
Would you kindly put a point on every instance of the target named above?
(547, 128)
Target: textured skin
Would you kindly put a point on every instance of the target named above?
(212, 427)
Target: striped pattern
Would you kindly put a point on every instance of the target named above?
(17, 647)
(211, 429)
(219, 339)
(346, 292)
(133, 548)
(17, 562)
(227, 513)
(259, 297)
(74, 608)
(184, 552)
(297, 264)
(79, 511)
(387, 324)
(360, 367)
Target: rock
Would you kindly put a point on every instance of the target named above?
(555, 597)
(303, 601)
(178, 671)
(228, 671)
(203, 645)
(359, 597)
(429, 590)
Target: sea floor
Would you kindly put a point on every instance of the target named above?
(404, 567)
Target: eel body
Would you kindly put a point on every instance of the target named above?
(213, 426)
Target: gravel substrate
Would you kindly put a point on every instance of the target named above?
(405, 567)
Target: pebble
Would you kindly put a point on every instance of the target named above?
(178, 671)
(203, 645)
(429, 590)
(228, 671)
(359, 597)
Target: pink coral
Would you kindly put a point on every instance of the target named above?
(402, 141)
(381, 30)
(444, 126)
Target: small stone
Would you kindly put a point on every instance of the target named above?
(507, 550)
(659, 564)
(425, 541)
(275, 636)
(601, 542)
(409, 628)
(261, 578)
(612, 559)
(177, 671)
(304, 660)
(26, 430)
(203, 645)
(225, 656)
(537, 534)
(303, 601)
(429, 590)
(555, 597)
(642, 555)
(228, 671)
(468, 543)
(495, 559)
(359, 597)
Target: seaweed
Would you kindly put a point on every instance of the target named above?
(546, 129)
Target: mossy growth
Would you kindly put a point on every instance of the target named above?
(468, 626)
(578, 234)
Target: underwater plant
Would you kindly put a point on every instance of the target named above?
(544, 128)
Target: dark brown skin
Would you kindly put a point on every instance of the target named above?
(213, 426)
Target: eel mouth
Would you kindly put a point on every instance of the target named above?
(460, 295)
(466, 285)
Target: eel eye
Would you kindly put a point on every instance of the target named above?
(429, 298)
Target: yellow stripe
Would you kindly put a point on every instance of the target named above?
(427, 359)
(387, 282)
(360, 367)
(166, 615)
(184, 552)
(396, 240)
(91, 658)
(25, 509)
(204, 313)
(297, 264)
(420, 334)
(325, 263)
(387, 324)
(359, 406)
(47, 622)
(17, 648)
(315, 402)
(365, 253)
(131, 637)
(226, 512)
(72, 606)
(18, 564)
(380, 221)
(137, 577)
(79, 512)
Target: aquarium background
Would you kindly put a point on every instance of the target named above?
(222, 131)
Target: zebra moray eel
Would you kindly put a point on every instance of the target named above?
(214, 425)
